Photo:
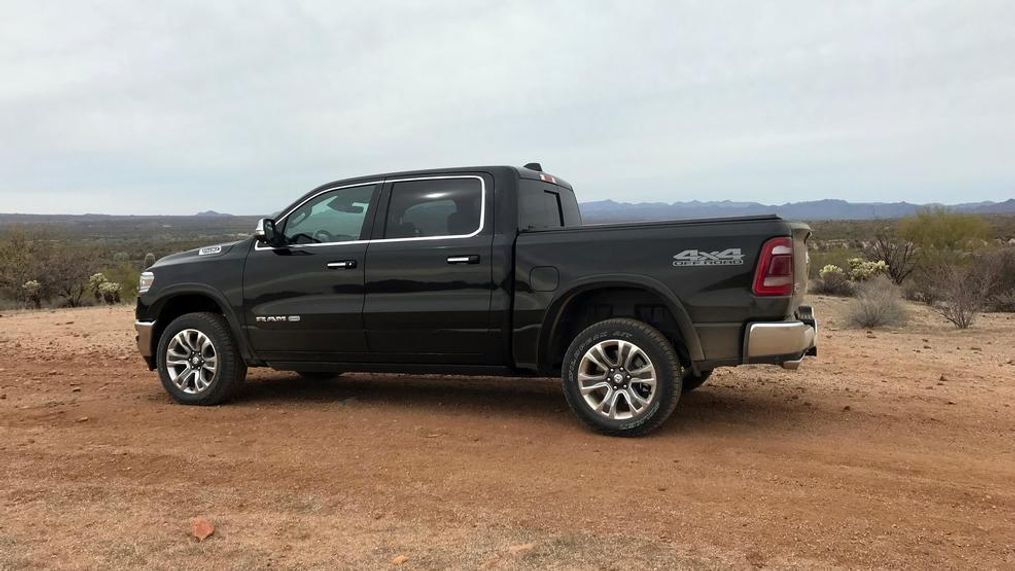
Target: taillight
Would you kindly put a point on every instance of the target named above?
(774, 274)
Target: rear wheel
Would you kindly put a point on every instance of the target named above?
(198, 361)
(622, 377)
(692, 381)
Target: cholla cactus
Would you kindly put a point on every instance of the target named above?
(830, 269)
(862, 270)
(149, 260)
(95, 285)
(110, 292)
(33, 291)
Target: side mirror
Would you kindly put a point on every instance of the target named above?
(266, 233)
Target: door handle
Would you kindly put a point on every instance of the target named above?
(343, 265)
(472, 259)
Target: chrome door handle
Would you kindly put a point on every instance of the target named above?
(473, 259)
(343, 265)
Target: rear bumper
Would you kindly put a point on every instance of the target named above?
(782, 342)
(145, 330)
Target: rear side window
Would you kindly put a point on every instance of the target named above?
(543, 207)
(437, 207)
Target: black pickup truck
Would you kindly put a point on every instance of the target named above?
(481, 271)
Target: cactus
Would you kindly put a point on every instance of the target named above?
(33, 291)
(95, 282)
(110, 292)
(149, 260)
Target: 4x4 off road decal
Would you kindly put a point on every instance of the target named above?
(727, 257)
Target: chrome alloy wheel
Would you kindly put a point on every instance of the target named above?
(617, 379)
(191, 361)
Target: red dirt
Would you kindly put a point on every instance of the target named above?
(893, 449)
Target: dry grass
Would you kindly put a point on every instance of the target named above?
(878, 303)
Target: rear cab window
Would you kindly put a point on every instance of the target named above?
(544, 206)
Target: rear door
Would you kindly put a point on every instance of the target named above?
(428, 272)
(304, 301)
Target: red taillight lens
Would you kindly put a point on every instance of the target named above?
(774, 274)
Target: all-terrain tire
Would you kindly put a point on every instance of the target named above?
(662, 356)
(229, 370)
(692, 381)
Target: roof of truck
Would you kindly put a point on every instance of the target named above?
(502, 170)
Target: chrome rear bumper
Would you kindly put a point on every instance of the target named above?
(781, 342)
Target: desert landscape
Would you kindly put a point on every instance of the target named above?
(893, 448)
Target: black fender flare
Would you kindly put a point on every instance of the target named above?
(560, 303)
(174, 291)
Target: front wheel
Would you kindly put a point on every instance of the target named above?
(622, 377)
(198, 361)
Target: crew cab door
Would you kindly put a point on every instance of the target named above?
(428, 272)
(304, 301)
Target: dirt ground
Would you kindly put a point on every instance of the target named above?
(893, 449)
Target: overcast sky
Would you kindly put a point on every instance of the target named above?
(178, 107)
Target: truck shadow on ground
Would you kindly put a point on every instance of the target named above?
(719, 408)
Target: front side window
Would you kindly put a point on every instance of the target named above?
(437, 207)
(335, 216)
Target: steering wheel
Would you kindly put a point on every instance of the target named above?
(324, 236)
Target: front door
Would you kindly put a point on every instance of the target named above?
(428, 273)
(304, 301)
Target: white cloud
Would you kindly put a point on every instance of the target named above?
(240, 107)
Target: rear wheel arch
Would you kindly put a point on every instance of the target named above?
(628, 296)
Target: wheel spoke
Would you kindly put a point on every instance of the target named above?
(649, 382)
(598, 357)
(586, 389)
(614, 397)
(634, 399)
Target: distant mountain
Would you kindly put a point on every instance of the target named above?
(828, 209)
(213, 214)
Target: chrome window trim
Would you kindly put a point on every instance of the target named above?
(482, 213)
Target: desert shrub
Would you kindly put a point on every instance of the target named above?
(961, 291)
(68, 269)
(942, 229)
(898, 254)
(861, 270)
(1002, 289)
(126, 275)
(878, 303)
(837, 256)
(832, 280)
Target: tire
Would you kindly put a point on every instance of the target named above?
(317, 376)
(692, 381)
(176, 351)
(602, 344)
